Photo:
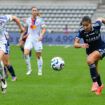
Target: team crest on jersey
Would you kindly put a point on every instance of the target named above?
(33, 26)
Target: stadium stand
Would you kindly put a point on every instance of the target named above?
(56, 16)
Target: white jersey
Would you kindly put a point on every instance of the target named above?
(3, 21)
(34, 27)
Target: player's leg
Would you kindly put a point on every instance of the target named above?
(2, 74)
(21, 45)
(9, 66)
(93, 65)
(30, 53)
(38, 49)
(27, 48)
(39, 62)
(27, 59)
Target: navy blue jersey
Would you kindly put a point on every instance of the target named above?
(93, 37)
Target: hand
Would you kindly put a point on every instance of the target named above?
(40, 38)
(22, 30)
(85, 45)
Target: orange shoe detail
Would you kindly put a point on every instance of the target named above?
(98, 92)
(94, 87)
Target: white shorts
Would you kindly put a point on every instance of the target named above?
(3, 47)
(37, 45)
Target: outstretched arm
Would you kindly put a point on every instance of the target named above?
(101, 19)
(14, 18)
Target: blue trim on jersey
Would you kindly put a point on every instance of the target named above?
(99, 22)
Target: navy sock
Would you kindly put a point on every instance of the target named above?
(11, 70)
(99, 80)
(5, 69)
(93, 72)
(30, 53)
(22, 49)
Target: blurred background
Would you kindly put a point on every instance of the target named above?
(60, 16)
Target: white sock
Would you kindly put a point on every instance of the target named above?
(2, 73)
(27, 59)
(40, 63)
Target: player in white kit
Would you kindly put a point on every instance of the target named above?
(36, 29)
(3, 44)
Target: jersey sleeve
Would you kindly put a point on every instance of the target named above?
(98, 24)
(9, 17)
(79, 36)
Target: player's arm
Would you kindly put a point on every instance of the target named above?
(78, 45)
(101, 19)
(14, 18)
(42, 33)
(7, 36)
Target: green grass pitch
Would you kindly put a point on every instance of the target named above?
(71, 86)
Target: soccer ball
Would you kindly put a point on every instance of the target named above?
(57, 63)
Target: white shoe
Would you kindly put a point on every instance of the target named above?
(39, 73)
(3, 85)
(29, 72)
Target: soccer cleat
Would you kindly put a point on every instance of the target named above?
(39, 73)
(3, 90)
(14, 78)
(94, 87)
(29, 72)
(3, 85)
(98, 92)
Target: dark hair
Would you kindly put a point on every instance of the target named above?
(86, 19)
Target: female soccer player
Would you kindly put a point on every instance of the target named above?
(3, 44)
(36, 29)
(95, 48)
(7, 65)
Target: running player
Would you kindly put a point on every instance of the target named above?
(7, 65)
(3, 43)
(95, 48)
(36, 29)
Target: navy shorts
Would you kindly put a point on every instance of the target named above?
(100, 50)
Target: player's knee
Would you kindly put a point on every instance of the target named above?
(89, 61)
(20, 45)
(26, 53)
(6, 63)
(38, 57)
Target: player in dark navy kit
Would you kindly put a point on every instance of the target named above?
(95, 48)
(7, 65)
